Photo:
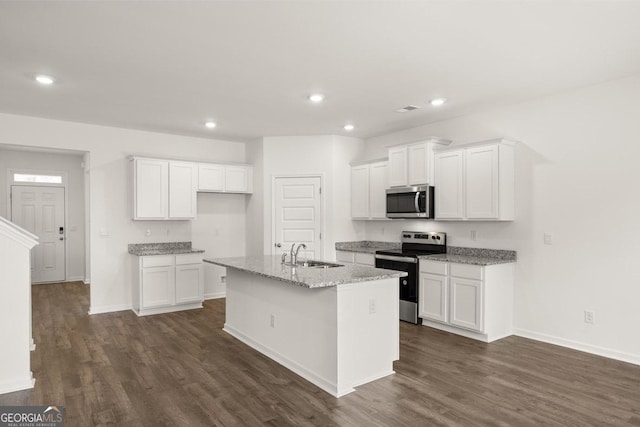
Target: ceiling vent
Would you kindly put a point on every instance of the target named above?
(407, 108)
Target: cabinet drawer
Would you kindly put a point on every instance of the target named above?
(157, 261)
(188, 259)
(466, 271)
(364, 259)
(433, 267)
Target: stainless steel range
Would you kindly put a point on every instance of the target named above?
(414, 244)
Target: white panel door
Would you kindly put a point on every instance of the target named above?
(482, 182)
(449, 185)
(398, 176)
(40, 210)
(183, 183)
(151, 199)
(433, 298)
(237, 179)
(360, 191)
(378, 183)
(466, 303)
(419, 164)
(297, 215)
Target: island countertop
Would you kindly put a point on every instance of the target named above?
(308, 277)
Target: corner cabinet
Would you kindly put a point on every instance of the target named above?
(368, 184)
(412, 164)
(476, 181)
(469, 300)
(164, 189)
(167, 283)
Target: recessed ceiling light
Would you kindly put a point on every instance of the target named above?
(316, 97)
(348, 127)
(210, 124)
(437, 102)
(44, 80)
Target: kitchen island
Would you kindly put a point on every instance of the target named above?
(336, 327)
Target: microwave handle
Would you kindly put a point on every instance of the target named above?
(417, 202)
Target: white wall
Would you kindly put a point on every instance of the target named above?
(75, 226)
(576, 177)
(110, 192)
(328, 156)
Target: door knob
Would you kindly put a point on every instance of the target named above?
(278, 245)
(62, 238)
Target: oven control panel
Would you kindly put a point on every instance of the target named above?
(424, 237)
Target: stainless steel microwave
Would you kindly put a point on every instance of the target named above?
(410, 202)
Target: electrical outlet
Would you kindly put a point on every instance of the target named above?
(148, 232)
(589, 317)
(548, 238)
(474, 235)
(273, 321)
(372, 306)
(223, 279)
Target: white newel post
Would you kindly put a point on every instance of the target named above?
(15, 307)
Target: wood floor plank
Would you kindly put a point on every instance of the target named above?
(182, 369)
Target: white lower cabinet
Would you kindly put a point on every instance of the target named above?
(359, 258)
(166, 283)
(470, 300)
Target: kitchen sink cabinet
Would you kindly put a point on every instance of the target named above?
(475, 182)
(167, 283)
(368, 184)
(412, 164)
(163, 189)
(469, 300)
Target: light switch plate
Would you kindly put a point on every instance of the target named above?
(548, 238)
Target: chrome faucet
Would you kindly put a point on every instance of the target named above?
(294, 255)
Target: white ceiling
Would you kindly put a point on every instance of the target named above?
(168, 66)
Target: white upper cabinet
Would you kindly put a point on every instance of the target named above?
(225, 178)
(476, 182)
(368, 184)
(412, 164)
(164, 189)
(449, 185)
(183, 182)
(150, 189)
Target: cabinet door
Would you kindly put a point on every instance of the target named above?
(151, 179)
(157, 286)
(360, 191)
(210, 177)
(189, 283)
(466, 303)
(398, 176)
(183, 185)
(237, 179)
(345, 256)
(378, 183)
(433, 297)
(449, 185)
(364, 259)
(482, 180)
(418, 160)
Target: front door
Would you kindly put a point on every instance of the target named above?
(297, 215)
(40, 210)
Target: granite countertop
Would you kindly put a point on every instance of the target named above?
(169, 248)
(271, 267)
(473, 256)
(367, 246)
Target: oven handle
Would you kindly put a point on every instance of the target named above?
(398, 258)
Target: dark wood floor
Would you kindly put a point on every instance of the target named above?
(182, 369)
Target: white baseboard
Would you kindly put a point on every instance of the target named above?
(17, 385)
(215, 295)
(33, 345)
(580, 346)
(75, 279)
(308, 375)
(108, 309)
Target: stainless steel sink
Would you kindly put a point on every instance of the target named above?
(311, 263)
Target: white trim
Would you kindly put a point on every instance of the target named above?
(109, 309)
(17, 385)
(17, 233)
(32, 346)
(322, 209)
(215, 295)
(580, 346)
(170, 309)
(75, 279)
(308, 375)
